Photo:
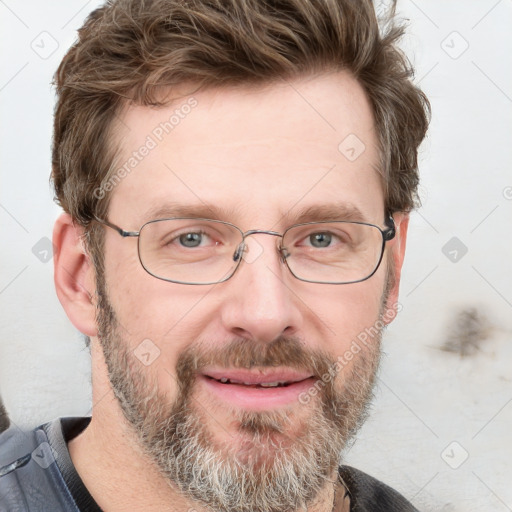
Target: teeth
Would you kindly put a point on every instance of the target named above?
(224, 380)
(271, 384)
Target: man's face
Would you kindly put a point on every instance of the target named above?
(261, 158)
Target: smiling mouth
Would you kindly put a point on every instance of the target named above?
(256, 389)
(271, 384)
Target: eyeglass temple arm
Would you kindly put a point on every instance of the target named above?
(121, 231)
(389, 233)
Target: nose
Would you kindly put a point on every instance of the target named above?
(260, 303)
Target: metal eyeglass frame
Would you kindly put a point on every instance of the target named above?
(387, 235)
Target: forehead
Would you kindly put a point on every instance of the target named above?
(254, 155)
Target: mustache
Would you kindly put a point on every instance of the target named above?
(243, 353)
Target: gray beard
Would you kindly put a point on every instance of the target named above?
(280, 461)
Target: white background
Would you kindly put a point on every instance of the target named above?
(441, 426)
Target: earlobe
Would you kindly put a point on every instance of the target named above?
(74, 275)
(395, 262)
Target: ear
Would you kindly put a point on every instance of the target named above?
(74, 275)
(395, 260)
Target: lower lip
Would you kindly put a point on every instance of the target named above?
(256, 399)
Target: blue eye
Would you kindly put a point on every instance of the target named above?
(191, 239)
(320, 239)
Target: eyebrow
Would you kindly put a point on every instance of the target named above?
(314, 213)
(323, 212)
(198, 211)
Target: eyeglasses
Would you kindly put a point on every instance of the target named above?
(204, 251)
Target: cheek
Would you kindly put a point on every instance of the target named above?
(146, 307)
(157, 320)
(344, 312)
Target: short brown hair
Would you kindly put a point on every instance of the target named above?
(129, 51)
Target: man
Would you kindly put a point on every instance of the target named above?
(236, 179)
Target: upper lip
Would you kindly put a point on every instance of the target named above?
(255, 376)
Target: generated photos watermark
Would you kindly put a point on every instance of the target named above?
(152, 140)
(362, 339)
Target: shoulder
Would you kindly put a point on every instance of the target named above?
(15, 444)
(29, 477)
(369, 494)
